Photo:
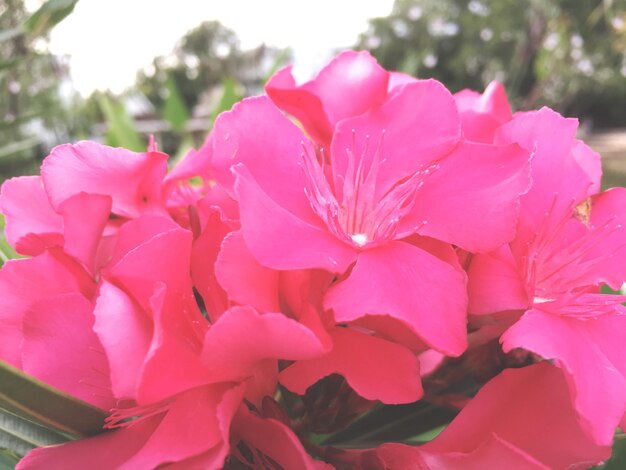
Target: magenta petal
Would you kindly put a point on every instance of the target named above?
(409, 284)
(23, 283)
(102, 452)
(592, 352)
(590, 161)
(173, 363)
(116, 312)
(275, 440)
(243, 278)
(247, 135)
(490, 454)
(241, 338)
(376, 369)
(192, 425)
(162, 258)
(494, 283)
(204, 252)
(60, 348)
(31, 223)
(525, 408)
(559, 182)
(280, 240)
(137, 231)
(472, 199)
(84, 218)
(608, 251)
(416, 126)
(349, 85)
(133, 180)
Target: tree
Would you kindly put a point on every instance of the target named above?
(567, 54)
(34, 113)
(203, 58)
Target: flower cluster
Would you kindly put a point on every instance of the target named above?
(364, 237)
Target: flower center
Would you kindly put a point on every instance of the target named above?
(356, 207)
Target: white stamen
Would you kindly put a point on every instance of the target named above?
(360, 239)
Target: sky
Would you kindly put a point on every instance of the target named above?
(107, 41)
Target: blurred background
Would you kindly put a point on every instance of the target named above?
(117, 71)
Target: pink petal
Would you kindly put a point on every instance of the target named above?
(195, 163)
(418, 125)
(248, 135)
(559, 182)
(490, 454)
(60, 348)
(349, 85)
(608, 251)
(214, 458)
(590, 162)
(592, 353)
(492, 102)
(397, 79)
(163, 258)
(495, 284)
(85, 217)
(243, 278)
(376, 369)
(525, 408)
(204, 253)
(173, 363)
(102, 452)
(116, 312)
(138, 231)
(133, 180)
(280, 240)
(274, 440)
(472, 199)
(193, 425)
(241, 338)
(25, 282)
(31, 223)
(407, 283)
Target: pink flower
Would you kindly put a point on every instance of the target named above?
(351, 84)
(521, 417)
(568, 244)
(395, 171)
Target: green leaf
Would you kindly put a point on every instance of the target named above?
(618, 456)
(8, 34)
(175, 111)
(13, 148)
(121, 127)
(8, 459)
(394, 423)
(49, 14)
(231, 94)
(34, 400)
(21, 435)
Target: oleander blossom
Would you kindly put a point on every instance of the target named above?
(360, 240)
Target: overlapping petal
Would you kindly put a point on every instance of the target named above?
(132, 180)
(349, 85)
(375, 368)
(411, 285)
(592, 352)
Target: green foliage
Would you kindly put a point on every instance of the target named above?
(49, 14)
(567, 54)
(121, 130)
(26, 399)
(6, 251)
(8, 459)
(33, 116)
(231, 94)
(174, 110)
